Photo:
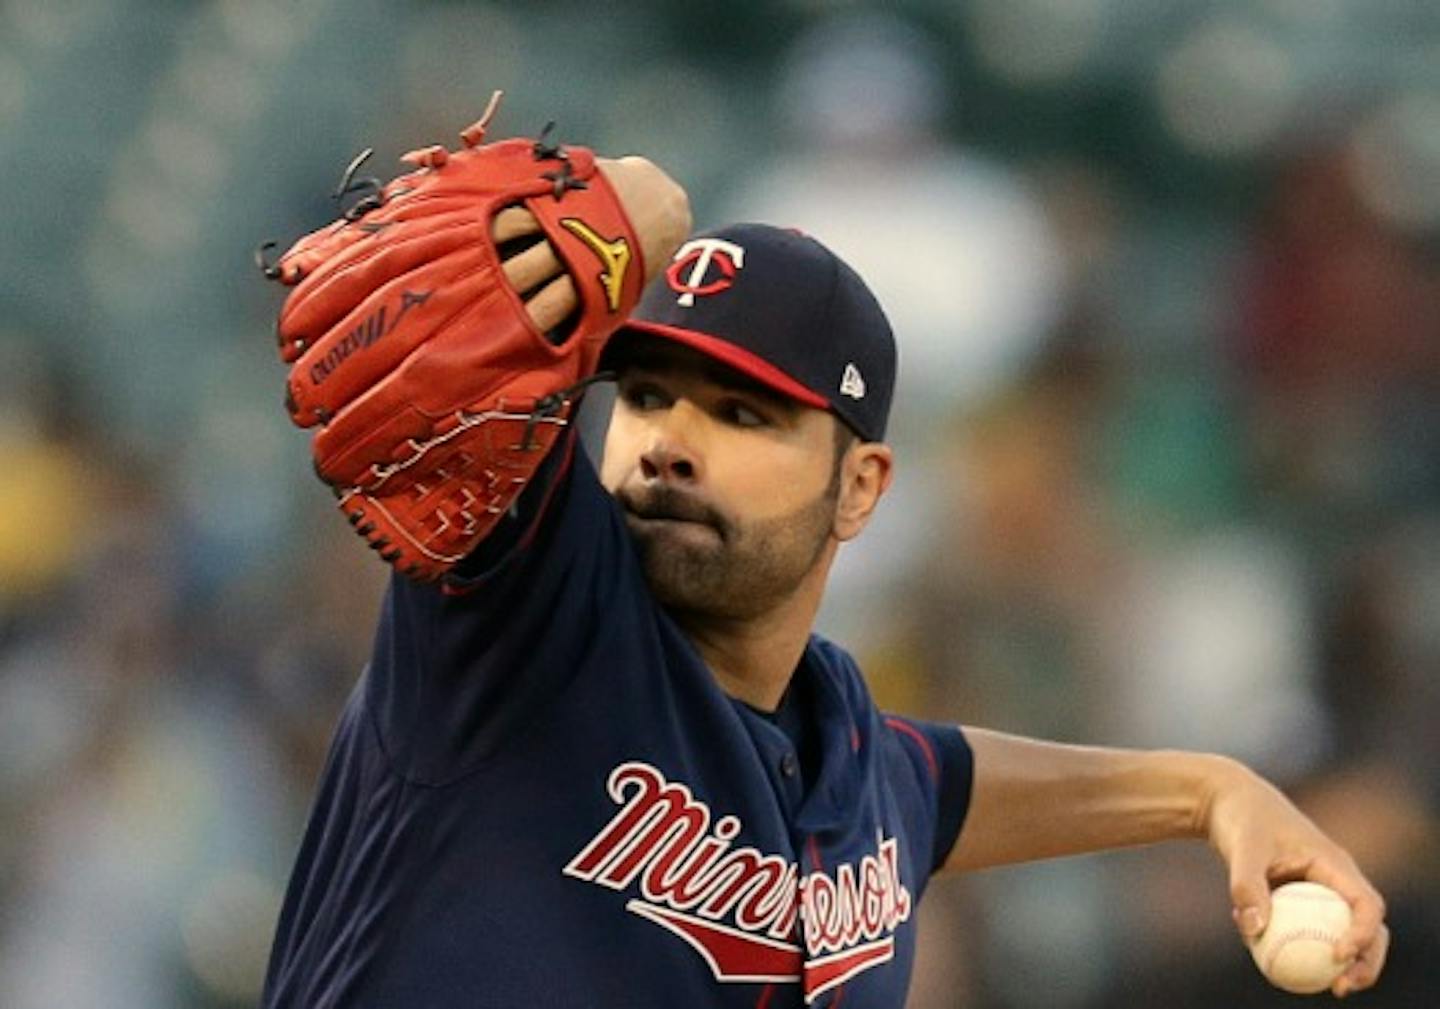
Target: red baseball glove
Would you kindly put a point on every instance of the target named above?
(438, 331)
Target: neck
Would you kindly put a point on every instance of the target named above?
(753, 658)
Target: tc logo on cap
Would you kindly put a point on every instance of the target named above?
(693, 260)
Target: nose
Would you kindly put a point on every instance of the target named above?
(660, 463)
(670, 454)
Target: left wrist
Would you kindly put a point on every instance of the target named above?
(1215, 778)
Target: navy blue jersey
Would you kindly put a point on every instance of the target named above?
(538, 795)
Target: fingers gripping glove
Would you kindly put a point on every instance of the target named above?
(434, 394)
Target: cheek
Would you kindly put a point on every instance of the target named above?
(770, 482)
(618, 456)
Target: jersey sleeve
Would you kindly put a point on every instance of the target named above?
(518, 530)
(459, 667)
(943, 761)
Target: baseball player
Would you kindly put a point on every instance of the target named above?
(598, 757)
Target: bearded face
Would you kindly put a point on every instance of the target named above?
(699, 560)
(728, 489)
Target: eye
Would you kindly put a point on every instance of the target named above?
(642, 396)
(742, 414)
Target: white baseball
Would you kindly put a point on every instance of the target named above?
(1296, 951)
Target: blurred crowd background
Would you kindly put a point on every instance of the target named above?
(1166, 278)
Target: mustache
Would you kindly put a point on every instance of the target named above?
(663, 502)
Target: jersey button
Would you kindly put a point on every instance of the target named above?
(789, 765)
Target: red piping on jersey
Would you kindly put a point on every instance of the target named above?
(915, 734)
(765, 994)
(739, 358)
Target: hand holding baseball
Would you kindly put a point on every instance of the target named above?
(1263, 838)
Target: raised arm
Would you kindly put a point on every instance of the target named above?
(1034, 800)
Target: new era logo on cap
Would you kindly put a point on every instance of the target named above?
(780, 307)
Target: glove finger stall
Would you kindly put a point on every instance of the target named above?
(386, 329)
(327, 296)
(507, 168)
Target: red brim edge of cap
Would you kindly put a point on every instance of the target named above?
(735, 357)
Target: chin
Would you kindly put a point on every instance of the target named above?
(683, 582)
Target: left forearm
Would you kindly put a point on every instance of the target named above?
(1033, 800)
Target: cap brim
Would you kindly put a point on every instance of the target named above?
(732, 356)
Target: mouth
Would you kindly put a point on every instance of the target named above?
(670, 511)
(669, 534)
(643, 523)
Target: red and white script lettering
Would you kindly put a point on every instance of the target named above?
(736, 906)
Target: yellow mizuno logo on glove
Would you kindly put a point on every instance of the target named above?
(614, 255)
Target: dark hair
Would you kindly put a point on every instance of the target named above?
(844, 438)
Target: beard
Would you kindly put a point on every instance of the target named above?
(699, 561)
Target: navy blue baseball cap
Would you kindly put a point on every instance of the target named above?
(779, 307)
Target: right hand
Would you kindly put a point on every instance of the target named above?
(658, 209)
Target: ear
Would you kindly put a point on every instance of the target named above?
(865, 475)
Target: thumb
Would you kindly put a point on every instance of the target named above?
(1250, 897)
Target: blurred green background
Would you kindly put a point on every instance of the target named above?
(1166, 279)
